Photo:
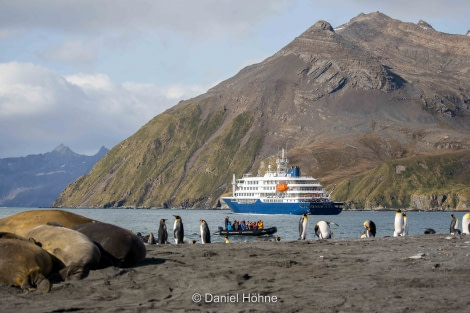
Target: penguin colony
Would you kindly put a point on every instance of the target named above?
(322, 229)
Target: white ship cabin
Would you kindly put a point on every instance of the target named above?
(279, 184)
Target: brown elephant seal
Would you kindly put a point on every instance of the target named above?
(119, 247)
(74, 249)
(23, 222)
(6, 235)
(25, 264)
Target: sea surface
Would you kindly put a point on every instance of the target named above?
(350, 222)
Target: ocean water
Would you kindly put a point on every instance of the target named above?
(350, 222)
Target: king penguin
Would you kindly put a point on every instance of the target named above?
(226, 239)
(205, 233)
(178, 230)
(399, 226)
(303, 226)
(151, 240)
(162, 233)
(322, 229)
(466, 224)
(453, 225)
(370, 229)
(405, 225)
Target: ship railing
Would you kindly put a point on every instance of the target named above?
(303, 182)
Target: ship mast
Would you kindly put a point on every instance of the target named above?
(234, 185)
(282, 164)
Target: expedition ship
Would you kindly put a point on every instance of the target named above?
(283, 191)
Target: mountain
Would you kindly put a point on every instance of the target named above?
(347, 103)
(37, 180)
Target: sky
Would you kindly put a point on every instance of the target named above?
(90, 73)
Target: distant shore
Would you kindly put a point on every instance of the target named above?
(426, 273)
(228, 210)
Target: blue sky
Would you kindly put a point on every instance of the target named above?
(88, 73)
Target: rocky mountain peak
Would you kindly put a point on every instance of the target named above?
(320, 28)
(376, 16)
(62, 150)
(322, 25)
(103, 150)
(424, 25)
(37, 179)
(345, 101)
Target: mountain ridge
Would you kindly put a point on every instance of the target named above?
(343, 102)
(36, 180)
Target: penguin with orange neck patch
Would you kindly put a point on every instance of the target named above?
(178, 230)
(370, 229)
(205, 233)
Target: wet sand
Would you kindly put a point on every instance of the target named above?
(428, 273)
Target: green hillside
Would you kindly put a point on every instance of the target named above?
(364, 113)
(141, 171)
(438, 181)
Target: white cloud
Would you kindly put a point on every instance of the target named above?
(40, 108)
(91, 82)
(27, 89)
(171, 44)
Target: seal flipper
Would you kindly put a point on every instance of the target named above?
(36, 280)
(74, 272)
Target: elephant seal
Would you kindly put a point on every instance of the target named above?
(119, 247)
(23, 222)
(74, 249)
(6, 235)
(25, 264)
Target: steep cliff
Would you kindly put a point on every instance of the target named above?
(342, 101)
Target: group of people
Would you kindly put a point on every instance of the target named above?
(178, 231)
(242, 225)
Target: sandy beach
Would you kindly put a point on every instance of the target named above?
(428, 273)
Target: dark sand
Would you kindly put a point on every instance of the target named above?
(429, 273)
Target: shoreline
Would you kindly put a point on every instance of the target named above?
(452, 210)
(415, 273)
